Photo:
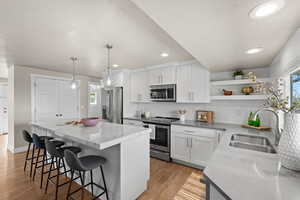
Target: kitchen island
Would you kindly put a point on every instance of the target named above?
(125, 147)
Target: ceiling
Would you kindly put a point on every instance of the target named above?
(218, 32)
(44, 34)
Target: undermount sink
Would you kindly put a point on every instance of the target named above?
(252, 142)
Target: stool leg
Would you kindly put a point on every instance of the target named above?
(49, 174)
(92, 182)
(82, 179)
(64, 166)
(43, 167)
(70, 184)
(106, 193)
(32, 159)
(57, 177)
(27, 153)
(36, 162)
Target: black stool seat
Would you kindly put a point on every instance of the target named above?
(56, 142)
(91, 162)
(46, 138)
(82, 165)
(60, 151)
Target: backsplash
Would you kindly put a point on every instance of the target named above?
(234, 112)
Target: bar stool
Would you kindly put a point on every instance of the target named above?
(27, 137)
(40, 145)
(83, 164)
(57, 157)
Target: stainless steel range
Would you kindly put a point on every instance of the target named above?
(160, 136)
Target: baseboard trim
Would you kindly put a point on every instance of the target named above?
(188, 164)
(18, 149)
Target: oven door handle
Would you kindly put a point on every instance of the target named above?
(152, 134)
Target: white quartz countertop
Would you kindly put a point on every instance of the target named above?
(246, 175)
(102, 136)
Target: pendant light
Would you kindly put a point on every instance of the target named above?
(74, 83)
(108, 80)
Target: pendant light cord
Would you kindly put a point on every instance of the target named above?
(74, 59)
(109, 47)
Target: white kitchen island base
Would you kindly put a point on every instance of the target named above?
(127, 170)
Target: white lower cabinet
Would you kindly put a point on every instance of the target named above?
(193, 145)
(179, 147)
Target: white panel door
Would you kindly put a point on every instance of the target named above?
(3, 115)
(46, 99)
(180, 147)
(202, 149)
(68, 101)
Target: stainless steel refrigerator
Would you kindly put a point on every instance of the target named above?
(112, 104)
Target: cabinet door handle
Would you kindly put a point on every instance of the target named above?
(191, 142)
(187, 142)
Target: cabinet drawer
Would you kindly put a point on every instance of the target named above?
(203, 132)
(132, 122)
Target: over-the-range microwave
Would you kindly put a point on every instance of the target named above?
(163, 93)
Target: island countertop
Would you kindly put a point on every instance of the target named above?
(101, 136)
(245, 175)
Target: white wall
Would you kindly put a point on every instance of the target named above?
(235, 112)
(289, 57)
(22, 98)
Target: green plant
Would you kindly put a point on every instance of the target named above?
(238, 73)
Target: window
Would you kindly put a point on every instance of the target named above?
(93, 98)
(295, 87)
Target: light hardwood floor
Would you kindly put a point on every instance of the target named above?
(165, 181)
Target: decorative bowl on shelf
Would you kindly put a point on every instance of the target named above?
(91, 121)
(227, 92)
(247, 90)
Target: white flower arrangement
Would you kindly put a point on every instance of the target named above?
(275, 96)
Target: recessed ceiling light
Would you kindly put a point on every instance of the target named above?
(164, 55)
(254, 50)
(266, 9)
(115, 65)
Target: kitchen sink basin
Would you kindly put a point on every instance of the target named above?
(251, 142)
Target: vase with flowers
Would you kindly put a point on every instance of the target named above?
(181, 114)
(289, 143)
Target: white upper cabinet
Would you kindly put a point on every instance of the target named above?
(139, 86)
(162, 75)
(192, 84)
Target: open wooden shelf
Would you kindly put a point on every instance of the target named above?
(238, 82)
(239, 97)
